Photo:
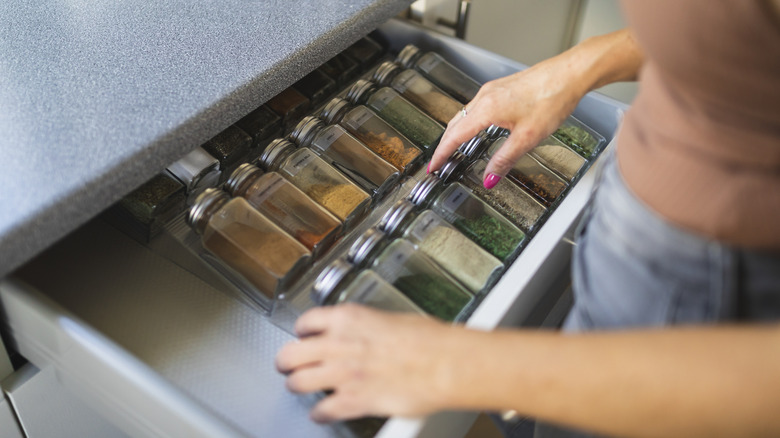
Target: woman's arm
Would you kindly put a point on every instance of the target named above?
(666, 382)
(532, 103)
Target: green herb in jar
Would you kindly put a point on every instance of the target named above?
(411, 122)
(441, 299)
(577, 139)
(496, 237)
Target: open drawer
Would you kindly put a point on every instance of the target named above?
(160, 352)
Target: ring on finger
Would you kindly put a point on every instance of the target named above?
(463, 112)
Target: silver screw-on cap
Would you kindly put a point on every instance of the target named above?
(495, 131)
(359, 91)
(329, 279)
(453, 168)
(306, 130)
(241, 177)
(386, 72)
(364, 245)
(408, 55)
(424, 188)
(276, 150)
(395, 216)
(206, 204)
(334, 111)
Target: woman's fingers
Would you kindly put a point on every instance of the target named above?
(337, 407)
(519, 142)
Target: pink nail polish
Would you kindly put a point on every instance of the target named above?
(491, 181)
(428, 169)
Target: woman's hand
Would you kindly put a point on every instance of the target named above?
(533, 103)
(376, 363)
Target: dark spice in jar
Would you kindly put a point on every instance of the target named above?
(492, 235)
(230, 147)
(341, 69)
(290, 105)
(539, 181)
(316, 86)
(438, 298)
(261, 124)
(365, 51)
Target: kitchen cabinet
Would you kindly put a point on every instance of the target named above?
(157, 347)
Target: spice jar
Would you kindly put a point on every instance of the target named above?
(230, 147)
(579, 137)
(318, 179)
(475, 147)
(347, 154)
(197, 170)
(375, 133)
(477, 220)
(341, 68)
(439, 71)
(289, 207)
(365, 51)
(558, 158)
(262, 125)
(419, 91)
(339, 283)
(316, 86)
(533, 176)
(144, 211)
(508, 198)
(409, 120)
(474, 267)
(397, 218)
(415, 274)
(290, 105)
(248, 242)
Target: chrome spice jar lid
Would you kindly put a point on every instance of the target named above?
(329, 279)
(408, 55)
(365, 245)
(424, 188)
(396, 216)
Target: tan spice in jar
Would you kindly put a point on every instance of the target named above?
(391, 148)
(340, 200)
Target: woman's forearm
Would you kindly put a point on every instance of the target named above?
(673, 382)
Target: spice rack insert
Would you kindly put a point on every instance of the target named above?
(295, 296)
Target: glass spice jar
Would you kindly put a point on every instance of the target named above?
(262, 125)
(318, 179)
(409, 120)
(508, 198)
(419, 91)
(375, 133)
(248, 242)
(347, 154)
(533, 176)
(579, 137)
(439, 71)
(230, 147)
(197, 170)
(474, 267)
(558, 158)
(316, 86)
(415, 274)
(340, 282)
(475, 147)
(291, 106)
(289, 207)
(341, 69)
(144, 211)
(477, 220)
(365, 51)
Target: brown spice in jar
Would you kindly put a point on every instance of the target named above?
(340, 200)
(391, 148)
(442, 108)
(263, 258)
(545, 188)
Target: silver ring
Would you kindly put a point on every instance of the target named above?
(463, 112)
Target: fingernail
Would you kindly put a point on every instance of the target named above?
(428, 169)
(491, 181)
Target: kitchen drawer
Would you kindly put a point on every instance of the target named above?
(160, 351)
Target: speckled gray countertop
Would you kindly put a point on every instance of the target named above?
(98, 96)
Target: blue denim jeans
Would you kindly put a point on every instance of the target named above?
(632, 268)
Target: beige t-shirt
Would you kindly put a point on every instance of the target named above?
(701, 143)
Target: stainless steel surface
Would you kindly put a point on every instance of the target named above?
(46, 409)
(9, 427)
